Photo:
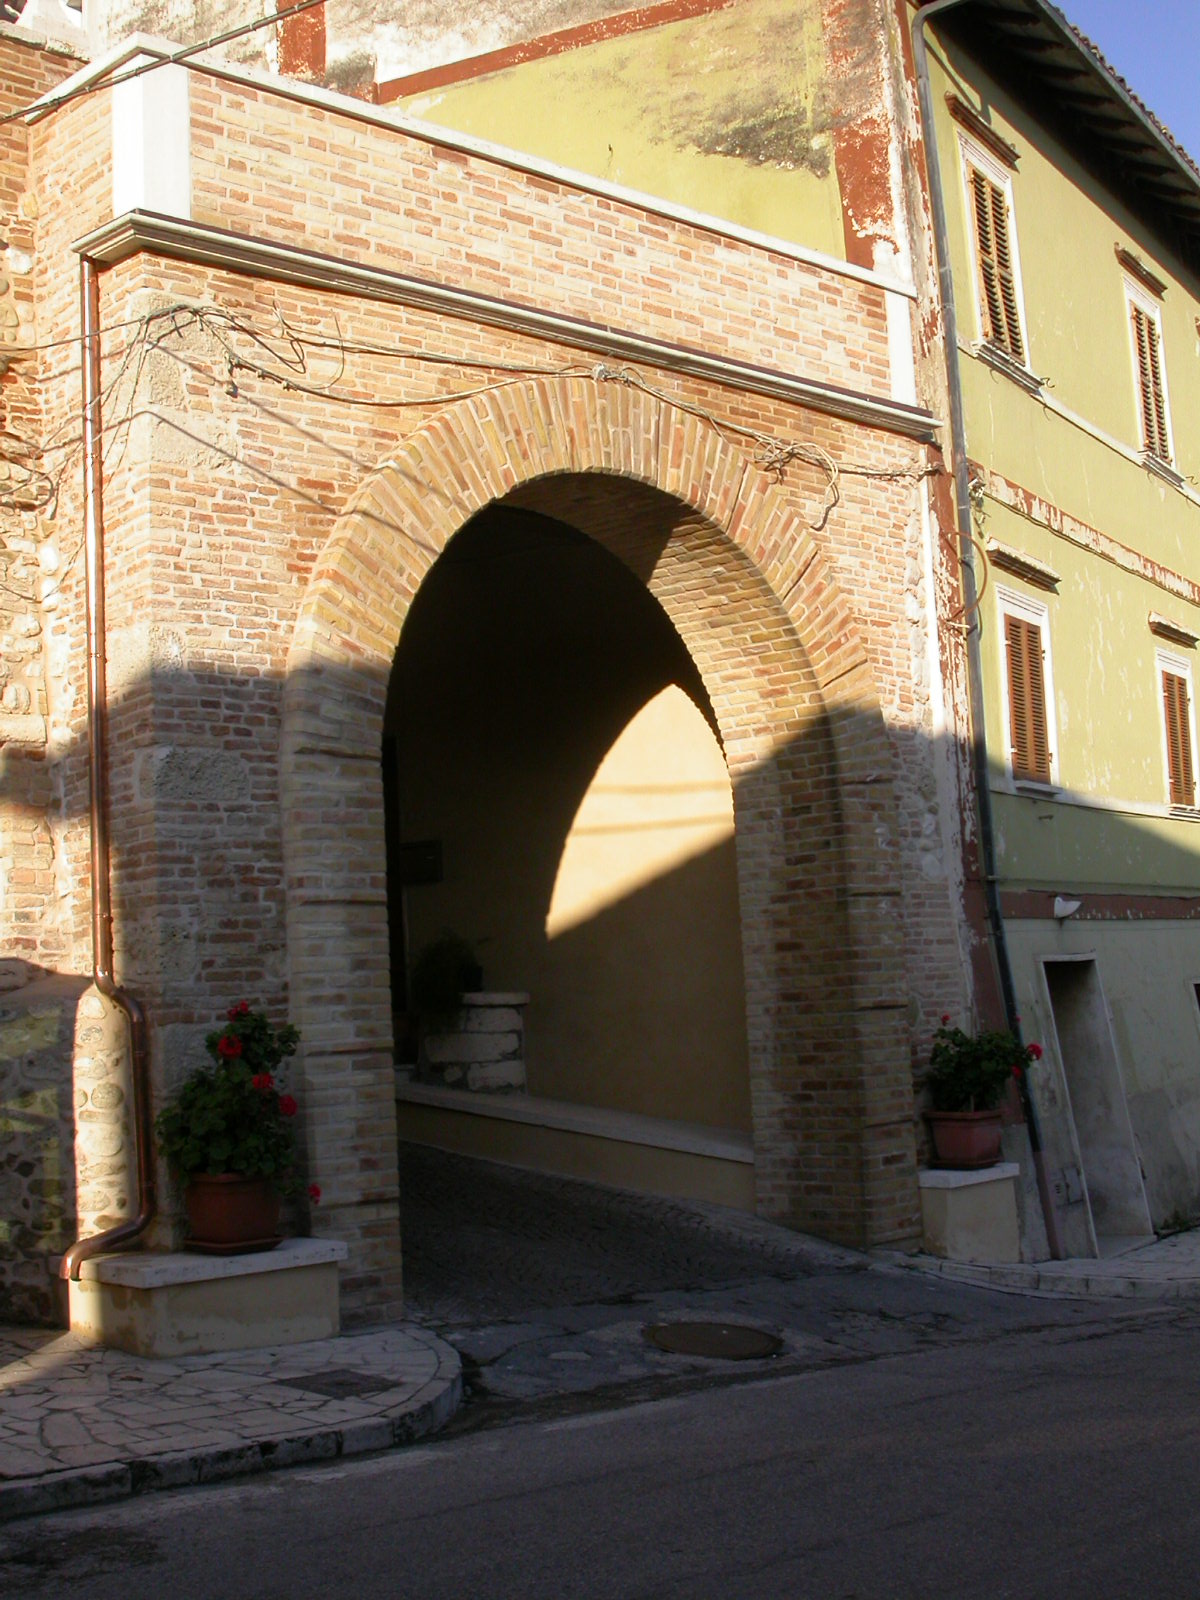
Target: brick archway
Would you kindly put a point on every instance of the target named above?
(779, 651)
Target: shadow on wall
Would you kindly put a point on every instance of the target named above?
(510, 693)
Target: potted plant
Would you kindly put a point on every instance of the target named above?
(227, 1135)
(967, 1078)
(442, 973)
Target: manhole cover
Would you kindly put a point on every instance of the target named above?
(339, 1383)
(726, 1340)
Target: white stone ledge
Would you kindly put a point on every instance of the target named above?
(623, 1127)
(153, 1270)
(958, 1178)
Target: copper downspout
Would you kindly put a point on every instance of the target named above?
(102, 917)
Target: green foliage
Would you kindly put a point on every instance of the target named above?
(231, 1117)
(969, 1072)
(441, 974)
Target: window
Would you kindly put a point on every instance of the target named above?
(1027, 687)
(989, 196)
(1146, 330)
(1179, 734)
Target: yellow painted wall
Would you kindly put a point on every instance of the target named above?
(1102, 657)
(1107, 698)
(552, 739)
(1108, 828)
(1156, 1031)
(725, 113)
(1076, 323)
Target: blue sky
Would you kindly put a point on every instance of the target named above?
(1155, 46)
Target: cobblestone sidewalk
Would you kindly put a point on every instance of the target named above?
(545, 1288)
(1162, 1269)
(79, 1425)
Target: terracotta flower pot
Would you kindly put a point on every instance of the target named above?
(230, 1215)
(966, 1139)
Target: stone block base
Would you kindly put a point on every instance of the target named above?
(482, 1050)
(186, 1305)
(971, 1216)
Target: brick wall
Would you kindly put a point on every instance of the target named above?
(379, 196)
(264, 543)
(30, 558)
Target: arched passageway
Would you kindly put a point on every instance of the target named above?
(550, 751)
(776, 651)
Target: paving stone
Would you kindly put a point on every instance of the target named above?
(59, 1431)
(85, 1455)
(545, 1285)
(16, 1463)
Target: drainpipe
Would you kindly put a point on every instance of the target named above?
(962, 502)
(102, 916)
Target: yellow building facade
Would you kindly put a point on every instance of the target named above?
(1072, 238)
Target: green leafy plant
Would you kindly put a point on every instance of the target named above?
(969, 1072)
(442, 972)
(230, 1116)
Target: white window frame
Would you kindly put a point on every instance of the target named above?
(1010, 602)
(973, 154)
(1136, 295)
(1179, 667)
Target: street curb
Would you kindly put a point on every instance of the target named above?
(1031, 1279)
(431, 1408)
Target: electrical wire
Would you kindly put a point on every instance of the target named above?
(282, 355)
(110, 80)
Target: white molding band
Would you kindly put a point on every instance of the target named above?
(1012, 560)
(179, 239)
(1165, 628)
(622, 1127)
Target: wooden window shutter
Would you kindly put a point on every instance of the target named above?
(1027, 700)
(1180, 774)
(1151, 394)
(997, 279)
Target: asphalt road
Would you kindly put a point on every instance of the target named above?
(1058, 1461)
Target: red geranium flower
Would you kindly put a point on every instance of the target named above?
(1017, 1071)
(229, 1047)
(1034, 1051)
(314, 1193)
(945, 1018)
(287, 1106)
(242, 1009)
(263, 1081)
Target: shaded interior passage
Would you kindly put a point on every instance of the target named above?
(548, 735)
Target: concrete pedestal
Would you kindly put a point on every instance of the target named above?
(971, 1216)
(181, 1304)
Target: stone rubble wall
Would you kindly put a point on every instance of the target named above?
(37, 1139)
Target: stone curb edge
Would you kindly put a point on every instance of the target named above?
(1029, 1279)
(119, 1480)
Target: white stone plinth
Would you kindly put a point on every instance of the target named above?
(971, 1216)
(482, 1049)
(177, 1304)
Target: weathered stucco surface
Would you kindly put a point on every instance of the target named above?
(1060, 481)
(729, 113)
